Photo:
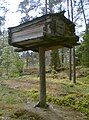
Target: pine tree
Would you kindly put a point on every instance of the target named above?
(3, 10)
(25, 7)
(55, 60)
(82, 50)
(85, 52)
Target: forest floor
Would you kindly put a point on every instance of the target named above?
(18, 96)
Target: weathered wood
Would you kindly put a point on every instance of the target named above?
(42, 97)
(70, 64)
(74, 66)
(44, 33)
(29, 33)
(43, 30)
(48, 42)
(60, 27)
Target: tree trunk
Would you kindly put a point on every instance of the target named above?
(68, 9)
(83, 12)
(27, 59)
(74, 66)
(62, 57)
(70, 64)
(70, 56)
(45, 6)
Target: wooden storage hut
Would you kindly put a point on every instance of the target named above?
(40, 34)
(48, 31)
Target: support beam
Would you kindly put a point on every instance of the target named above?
(70, 64)
(42, 77)
(42, 97)
(74, 66)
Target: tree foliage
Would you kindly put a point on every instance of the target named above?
(85, 53)
(25, 7)
(83, 50)
(55, 60)
(4, 10)
(10, 62)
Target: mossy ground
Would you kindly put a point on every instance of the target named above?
(16, 92)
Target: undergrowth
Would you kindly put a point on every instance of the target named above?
(78, 101)
(75, 96)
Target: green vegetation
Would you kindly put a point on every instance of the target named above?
(63, 93)
(15, 91)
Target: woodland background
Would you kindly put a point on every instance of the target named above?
(25, 65)
(12, 63)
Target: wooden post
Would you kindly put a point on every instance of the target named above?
(74, 66)
(70, 65)
(42, 97)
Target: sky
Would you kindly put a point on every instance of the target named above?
(12, 18)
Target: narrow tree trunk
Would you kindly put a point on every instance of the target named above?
(45, 6)
(27, 59)
(68, 9)
(83, 11)
(74, 66)
(70, 64)
(62, 57)
(70, 50)
(71, 10)
(7, 71)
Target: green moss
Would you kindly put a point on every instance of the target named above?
(1, 113)
(77, 101)
(22, 114)
(33, 94)
(66, 94)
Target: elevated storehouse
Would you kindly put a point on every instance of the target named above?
(49, 31)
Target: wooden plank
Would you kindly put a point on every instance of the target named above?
(28, 34)
(48, 44)
(60, 27)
